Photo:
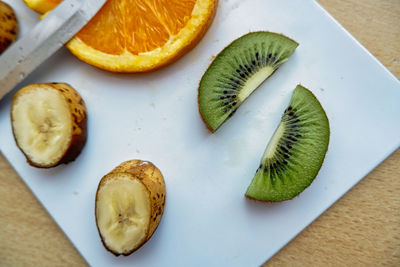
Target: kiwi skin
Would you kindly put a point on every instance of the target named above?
(305, 122)
(271, 39)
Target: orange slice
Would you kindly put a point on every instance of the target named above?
(42, 6)
(139, 35)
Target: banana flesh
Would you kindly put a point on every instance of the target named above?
(123, 212)
(42, 125)
(8, 26)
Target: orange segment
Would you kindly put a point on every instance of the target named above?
(141, 35)
(107, 25)
(150, 24)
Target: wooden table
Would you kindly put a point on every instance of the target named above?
(361, 229)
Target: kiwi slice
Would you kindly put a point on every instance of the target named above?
(295, 153)
(237, 71)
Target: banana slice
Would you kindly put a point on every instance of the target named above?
(8, 26)
(49, 123)
(129, 205)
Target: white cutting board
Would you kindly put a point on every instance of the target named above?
(207, 219)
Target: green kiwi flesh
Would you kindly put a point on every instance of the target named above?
(237, 71)
(296, 151)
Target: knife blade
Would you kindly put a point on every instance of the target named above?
(50, 34)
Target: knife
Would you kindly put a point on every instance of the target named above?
(25, 55)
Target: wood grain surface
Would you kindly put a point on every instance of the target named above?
(361, 229)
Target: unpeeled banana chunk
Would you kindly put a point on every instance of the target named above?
(49, 123)
(8, 26)
(129, 205)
